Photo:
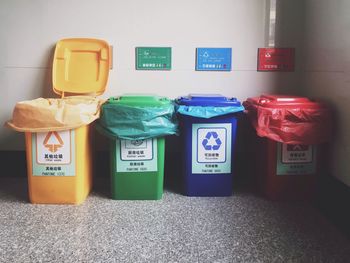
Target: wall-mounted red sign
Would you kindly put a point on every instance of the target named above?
(276, 59)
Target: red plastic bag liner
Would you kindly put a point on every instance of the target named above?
(289, 119)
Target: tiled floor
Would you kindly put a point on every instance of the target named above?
(241, 228)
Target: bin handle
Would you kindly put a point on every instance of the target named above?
(264, 99)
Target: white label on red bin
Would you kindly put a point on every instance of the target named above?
(211, 148)
(295, 159)
(297, 153)
(136, 155)
(53, 153)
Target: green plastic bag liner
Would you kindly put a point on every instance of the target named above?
(137, 117)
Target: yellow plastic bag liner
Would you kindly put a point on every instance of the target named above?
(41, 115)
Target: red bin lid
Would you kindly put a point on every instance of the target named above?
(284, 101)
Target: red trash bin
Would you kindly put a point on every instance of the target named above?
(289, 153)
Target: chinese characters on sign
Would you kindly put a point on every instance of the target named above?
(53, 153)
(153, 58)
(213, 59)
(295, 159)
(276, 59)
(211, 148)
(136, 155)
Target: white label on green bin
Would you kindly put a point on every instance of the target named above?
(53, 153)
(295, 159)
(136, 155)
(211, 148)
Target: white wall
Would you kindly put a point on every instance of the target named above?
(30, 29)
(327, 71)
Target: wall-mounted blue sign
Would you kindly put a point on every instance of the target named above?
(213, 59)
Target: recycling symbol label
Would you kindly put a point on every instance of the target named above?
(205, 54)
(211, 148)
(215, 141)
(211, 145)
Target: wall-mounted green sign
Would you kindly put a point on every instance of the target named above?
(153, 58)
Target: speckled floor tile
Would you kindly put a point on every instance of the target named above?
(241, 228)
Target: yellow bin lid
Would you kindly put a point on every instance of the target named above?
(81, 66)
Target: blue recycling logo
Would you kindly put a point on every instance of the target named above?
(217, 140)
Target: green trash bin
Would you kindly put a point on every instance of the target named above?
(137, 176)
(137, 125)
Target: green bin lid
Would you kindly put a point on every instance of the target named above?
(140, 100)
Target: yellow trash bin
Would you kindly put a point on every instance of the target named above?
(57, 131)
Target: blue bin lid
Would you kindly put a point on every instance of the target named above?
(215, 100)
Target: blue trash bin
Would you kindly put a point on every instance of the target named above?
(208, 126)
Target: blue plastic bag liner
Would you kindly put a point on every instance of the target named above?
(137, 117)
(207, 105)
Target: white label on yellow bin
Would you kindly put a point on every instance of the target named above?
(295, 159)
(136, 155)
(53, 153)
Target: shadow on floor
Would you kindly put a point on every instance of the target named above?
(14, 189)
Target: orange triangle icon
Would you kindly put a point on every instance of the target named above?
(49, 141)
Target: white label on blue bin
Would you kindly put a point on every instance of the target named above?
(295, 159)
(211, 148)
(136, 155)
(53, 153)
